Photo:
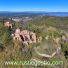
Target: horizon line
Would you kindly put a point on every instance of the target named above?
(33, 11)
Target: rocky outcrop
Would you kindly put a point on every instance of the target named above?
(24, 36)
(8, 24)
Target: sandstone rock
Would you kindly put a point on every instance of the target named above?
(25, 36)
(8, 24)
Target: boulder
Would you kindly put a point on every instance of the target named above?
(8, 24)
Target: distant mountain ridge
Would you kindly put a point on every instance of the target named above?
(38, 12)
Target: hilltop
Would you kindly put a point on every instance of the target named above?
(49, 28)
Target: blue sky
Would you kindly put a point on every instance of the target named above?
(34, 5)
